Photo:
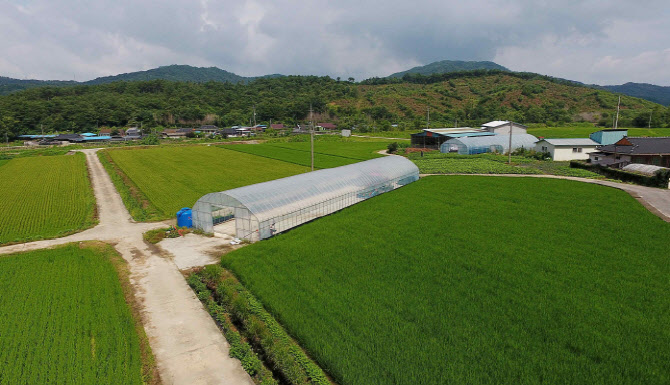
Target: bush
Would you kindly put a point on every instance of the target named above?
(660, 179)
(392, 147)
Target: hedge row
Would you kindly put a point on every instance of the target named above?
(239, 348)
(262, 331)
(660, 179)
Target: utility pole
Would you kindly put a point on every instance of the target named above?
(616, 122)
(652, 111)
(254, 115)
(509, 151)
(428, 118)
(311, 137)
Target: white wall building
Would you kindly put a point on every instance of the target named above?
(567, 149)
(501, 127)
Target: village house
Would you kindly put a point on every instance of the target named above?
(654, 151)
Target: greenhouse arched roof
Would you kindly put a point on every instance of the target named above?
(518, 140)
(268, 200)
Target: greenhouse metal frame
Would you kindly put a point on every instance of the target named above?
(264, 209)
(483, 144)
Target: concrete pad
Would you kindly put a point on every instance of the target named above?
(193, 250)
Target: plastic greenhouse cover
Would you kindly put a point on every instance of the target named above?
(643, 168)
(282, 196)
(518, 140)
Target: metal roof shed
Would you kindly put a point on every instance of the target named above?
(482, 144)
(263, 209)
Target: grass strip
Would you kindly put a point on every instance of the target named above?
(239, 347)
(138, 205)
(150, 375)
(262, 331)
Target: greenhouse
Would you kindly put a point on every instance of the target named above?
(646, 169)
(482, 144)
(261, 210)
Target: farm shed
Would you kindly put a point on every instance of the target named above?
(261, 210)
(481, 144)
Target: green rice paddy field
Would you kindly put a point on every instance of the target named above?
(327, 154)
(64, 319)
(165, 179)
(44, 197)
(478, 280)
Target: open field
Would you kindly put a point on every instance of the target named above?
(327, 154)
(164, 180)
(583, 132)
(64, 319)
(44, 197)
(438, 163)
(466, 279)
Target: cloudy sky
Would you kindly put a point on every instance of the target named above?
(593, 41)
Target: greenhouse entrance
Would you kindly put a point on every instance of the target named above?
(262, 210)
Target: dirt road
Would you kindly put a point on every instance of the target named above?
(187, 344)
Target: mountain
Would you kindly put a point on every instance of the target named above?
(468, 97)
(445, 66)
(654, 93)
(9, 85)
(179, 73)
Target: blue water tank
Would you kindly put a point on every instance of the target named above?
(184, 218)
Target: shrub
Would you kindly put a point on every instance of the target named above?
(392, 147)
(660, 179)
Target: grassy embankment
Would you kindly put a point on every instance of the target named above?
(69, 317)
(502, 281)
(44, 197)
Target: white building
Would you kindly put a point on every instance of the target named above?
(567, 149)
(501, 127)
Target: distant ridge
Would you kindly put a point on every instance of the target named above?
(446, 66)
(175, 72)
(651, 92)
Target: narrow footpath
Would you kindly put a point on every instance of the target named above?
(187, 344)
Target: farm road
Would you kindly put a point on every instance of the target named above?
(656, 200)
(187, 344)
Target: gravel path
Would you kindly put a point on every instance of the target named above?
(187, 344)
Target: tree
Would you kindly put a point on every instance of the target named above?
(8, 128)
(351, 80)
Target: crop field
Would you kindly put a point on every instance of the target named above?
(64, 319)
(327, 154)
(438, 163)
(478, 280)
(44, 197)
(583, 132)
(167, 179)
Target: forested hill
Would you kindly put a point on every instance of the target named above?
(654, 93)
(178, 73)
(446, 66)
(9, 85)
(468, 97)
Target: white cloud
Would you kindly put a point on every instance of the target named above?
(587, 40)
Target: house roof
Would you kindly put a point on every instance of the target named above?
(277, 126)
(189, 129)
(498, 123)
(327, 125)
(639, 146)
(209, 127)
(571, 142)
